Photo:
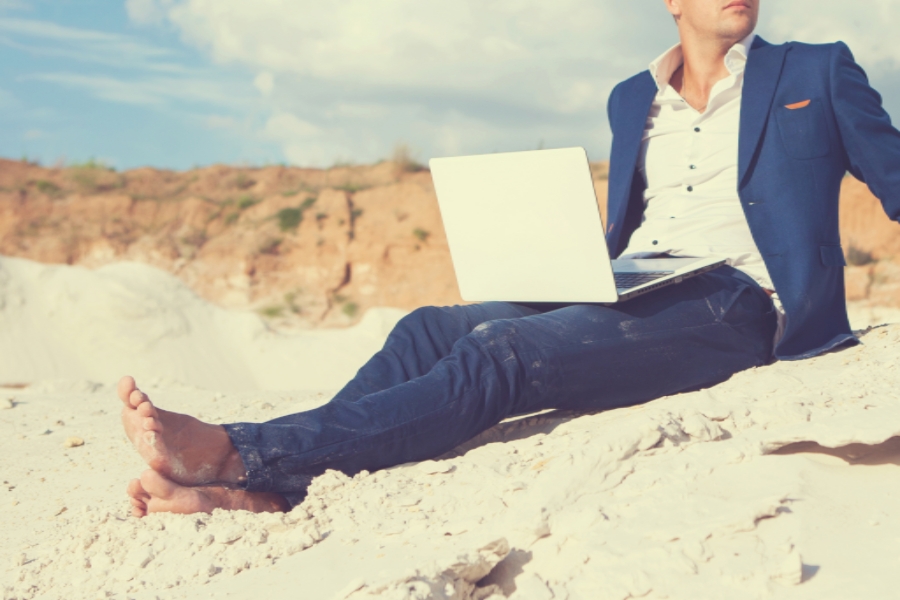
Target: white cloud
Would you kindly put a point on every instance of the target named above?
(265, 83)
(868, 27)
(152, 75)
(287, 126)
(147, 12)
(462, 76)
(154, 91)
(367, 74)
(50, 39)
(299, 139)
(448, 42)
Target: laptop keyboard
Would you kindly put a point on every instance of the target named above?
(626, 281)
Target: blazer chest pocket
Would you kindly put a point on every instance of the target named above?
(804, 131)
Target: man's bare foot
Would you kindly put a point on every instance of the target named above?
(155, 493)
(179, 447)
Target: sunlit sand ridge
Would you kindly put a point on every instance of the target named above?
(780, 483)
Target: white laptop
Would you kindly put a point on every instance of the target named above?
(526, 227)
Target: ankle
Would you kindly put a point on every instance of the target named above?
(233, 469)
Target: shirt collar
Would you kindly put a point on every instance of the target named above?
(668, 62)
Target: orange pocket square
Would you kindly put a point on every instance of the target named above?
(797, 105)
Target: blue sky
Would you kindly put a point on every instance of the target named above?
(179, 83)
(80, 80)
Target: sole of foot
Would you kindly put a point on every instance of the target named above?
(155, 493)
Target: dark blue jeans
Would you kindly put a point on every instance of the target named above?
(447, 374)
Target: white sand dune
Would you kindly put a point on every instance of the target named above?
(70, 323)
(731, 492)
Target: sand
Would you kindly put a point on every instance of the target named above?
(780, 483)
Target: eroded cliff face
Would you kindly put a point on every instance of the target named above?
(872, 244)
(304, 246)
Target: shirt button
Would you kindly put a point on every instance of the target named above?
(690, 188)
(655, 242)
(693, 166)
(697, 129)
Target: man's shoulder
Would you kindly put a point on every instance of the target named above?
(804, 50)
(641, 78)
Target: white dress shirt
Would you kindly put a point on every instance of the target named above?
(689, 161)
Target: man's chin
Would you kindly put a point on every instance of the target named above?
(737, 29)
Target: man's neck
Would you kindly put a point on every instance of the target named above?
(704, 66)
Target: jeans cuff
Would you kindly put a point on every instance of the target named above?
(244, 436)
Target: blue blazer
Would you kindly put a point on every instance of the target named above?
(790, 166)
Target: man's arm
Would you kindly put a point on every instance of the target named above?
(871, 142)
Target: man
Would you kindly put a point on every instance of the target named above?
(726, 145)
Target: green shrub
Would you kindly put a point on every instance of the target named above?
(404, 160)
(89, 176)
(290, 218)
(290, 299)
(85, 178)
(92, 163)
(859, 258)
(47, 187)
(352, 188)
(350, 309)
(245, 202)
(196, 238)
(272, 312)
(421, 234)
(242, 181)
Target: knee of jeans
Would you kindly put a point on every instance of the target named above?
(497, 338)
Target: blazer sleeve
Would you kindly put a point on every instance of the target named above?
(871, 142)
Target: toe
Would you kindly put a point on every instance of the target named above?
(151, 424)
(137, 398)
(137, 491)
(158, 486)
(138, 498)
(147, 410)
(125, 387)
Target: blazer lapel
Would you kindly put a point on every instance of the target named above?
(761, 77)
(628, 132)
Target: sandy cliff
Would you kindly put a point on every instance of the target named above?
(308, 246)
